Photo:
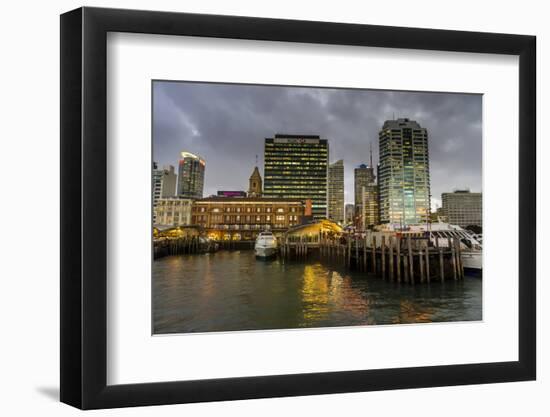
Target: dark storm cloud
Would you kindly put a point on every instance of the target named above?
(226, 124)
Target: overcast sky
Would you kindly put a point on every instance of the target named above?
(226, 124)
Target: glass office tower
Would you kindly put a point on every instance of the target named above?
(404, 174)
(336, 191)
(191, 175)
(296, 167)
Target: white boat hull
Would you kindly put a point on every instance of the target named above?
(265, 251)
(472, 259)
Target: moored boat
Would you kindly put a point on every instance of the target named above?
(266, 245)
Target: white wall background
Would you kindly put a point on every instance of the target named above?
(29, 256)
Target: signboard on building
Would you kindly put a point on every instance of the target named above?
(231, 194)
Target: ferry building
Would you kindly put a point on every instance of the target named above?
(243, 218)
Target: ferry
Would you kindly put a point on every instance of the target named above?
(471, 245)
(266, 245)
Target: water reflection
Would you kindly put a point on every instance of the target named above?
(233, 291)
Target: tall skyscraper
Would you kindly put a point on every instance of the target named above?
(191, 175)
(404, 174)
(365, 190)
(349, 213)
(336, 191)
(369, 207)
(463, 208)
(295, 166)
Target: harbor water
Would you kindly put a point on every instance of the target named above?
(232, 290)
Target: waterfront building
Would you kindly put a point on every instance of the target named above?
(336, 191)
(349, 214)
(404, 175)
(463, 208)
(366, 192)
(295, 167)
(173, 211)
(191, 175)
(164, 183)
(255, 184)
(242, 218)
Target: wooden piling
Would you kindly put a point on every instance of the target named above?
(349, 252)
(421, 263)
(390, 257)
(441, 266)
(459, 259)
(373, 249)
(406, 268)
(365, 254)
(453, 259)
(398, 258)
(411, 262)
(357, 263)
(427, 253)
(383, 256)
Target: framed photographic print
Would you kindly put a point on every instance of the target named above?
(258, 207)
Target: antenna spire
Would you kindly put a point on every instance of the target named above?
(256, 159)
(371, 154)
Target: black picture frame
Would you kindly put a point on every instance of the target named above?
(84, 207)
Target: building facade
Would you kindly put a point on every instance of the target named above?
(369, 207)
(463, 208)
(350, 214)
(296, 167)
(366, 195)
(404, 174)
(243, 218)
(173, 211)
(191, 175)
(336, 191)
(164, 184)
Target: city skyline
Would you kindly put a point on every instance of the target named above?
(207, 119)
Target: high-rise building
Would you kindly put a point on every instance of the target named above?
(191, 175)
(365, 182)
(255, 184)
(369, 207)
(336, 191)
(164, 184)
(463, 208)
(404, 174)
(295, 167)
(349, 213)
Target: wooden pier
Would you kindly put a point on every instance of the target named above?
(394, 258)
(176, 246)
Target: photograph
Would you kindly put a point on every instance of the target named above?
(292, 207)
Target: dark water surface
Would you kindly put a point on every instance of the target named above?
(226, 291)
